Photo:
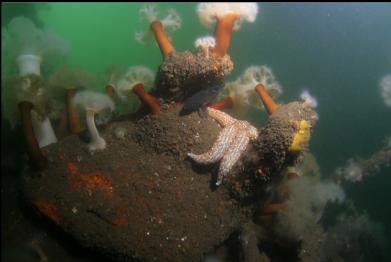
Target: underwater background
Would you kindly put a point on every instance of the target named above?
(337, 51)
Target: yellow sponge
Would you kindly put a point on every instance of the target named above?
(302, 137)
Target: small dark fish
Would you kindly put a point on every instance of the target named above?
(201, 99)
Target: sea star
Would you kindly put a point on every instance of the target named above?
(230, 144)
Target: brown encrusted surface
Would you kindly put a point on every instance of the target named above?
(184, 73)
(191, 133)
(276, 137)
(134, 200)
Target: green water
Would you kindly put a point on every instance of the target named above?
(339, 52)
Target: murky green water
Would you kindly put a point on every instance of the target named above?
(339, 52)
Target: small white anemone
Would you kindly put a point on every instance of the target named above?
(308, 99)
(352, 172)
(207, 12)
(385, 84)
(205, 43)
(171, 21)
(94, 103)
(133, 76)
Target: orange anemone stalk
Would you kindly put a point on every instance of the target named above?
(146, 98)
(223, 33)
(75, 126)
(267, 100)
(62, 129)
(271, 209)
(37, 160)
(110, 90)
(225, 103)
(164, 43)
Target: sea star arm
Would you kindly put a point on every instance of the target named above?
(218, 149)
(252, 132)
(233, 154)
(221, 117)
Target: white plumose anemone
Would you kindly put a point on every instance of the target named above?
(64, 83)
(352, 172)
(148, 13)
(308, 99)
(207, 12)
(29, 44)
(24, 41)
(385, 84)
(171, 21)
(25, 90)
(133, 76)
(23, 36)
(242, 89)
(206, 44)
(94, 103)
(254, 75)
(306, 204)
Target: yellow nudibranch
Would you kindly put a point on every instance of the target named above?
(302, 136)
